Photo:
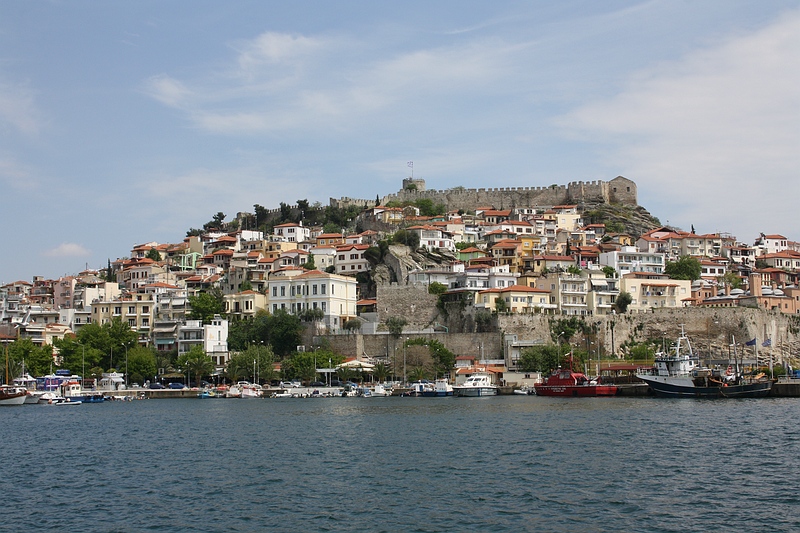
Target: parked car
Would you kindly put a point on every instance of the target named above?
(157, 386)
(317, 384)
(177, 386)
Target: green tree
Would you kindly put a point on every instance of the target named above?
(196, 363)
(141, 364)
(437, 288)
(483, 321)
(686, 267)
(309, 265)
(313, 314)
(609, 271)
(300, 365)
(622, 302)
(153, 254)
(256, 363)
(245, 286)
(25, 356)
(500, 305)
(730, 279)
(380, 372)
(205, 305)
(542, 358)
(216, 222)
(395, 325)
(352, 325)
(284, 332)
(409, 238)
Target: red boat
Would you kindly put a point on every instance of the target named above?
(568, 383)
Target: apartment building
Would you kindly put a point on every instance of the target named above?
(334, 294)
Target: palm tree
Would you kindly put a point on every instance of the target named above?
(380, 372)
(196, 362)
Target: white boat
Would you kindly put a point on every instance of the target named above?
(442, 387)
(28, 382)
(73, 391)
(478, 384)
(380, 391)
(525, 391)
(250, 390)
(10, 395)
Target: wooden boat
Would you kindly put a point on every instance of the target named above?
(10, 395)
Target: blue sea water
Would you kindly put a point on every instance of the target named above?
(508, 463)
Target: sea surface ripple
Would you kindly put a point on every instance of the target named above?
(509, 463)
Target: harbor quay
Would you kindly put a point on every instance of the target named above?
(783, 388)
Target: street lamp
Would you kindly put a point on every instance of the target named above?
(126, 366)
(404, 361)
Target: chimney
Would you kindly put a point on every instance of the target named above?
(755, 284)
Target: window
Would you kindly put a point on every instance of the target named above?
(275, 291)
(322, 288)
(283, 291)
(314, 290)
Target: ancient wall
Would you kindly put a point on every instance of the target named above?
(619, 190)
(706, 328)
(383, 345)
(411, 302)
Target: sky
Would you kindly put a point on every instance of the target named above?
(128, 122)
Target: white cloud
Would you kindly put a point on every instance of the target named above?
(714, 136)
(17, 108)
(167, 90)
(292, 83)
(67, 249)
(15, 174)
(271, 48)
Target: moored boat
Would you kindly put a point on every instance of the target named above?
(478, 384)
(10, 395)
(677, 373)
(566, 383)
(73, 391)
(441, 387)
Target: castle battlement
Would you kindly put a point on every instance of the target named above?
(618, 190)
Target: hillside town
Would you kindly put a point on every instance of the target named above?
(412, 256)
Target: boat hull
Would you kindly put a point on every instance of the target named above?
(475, 391)
(572, 391)
(686, 389)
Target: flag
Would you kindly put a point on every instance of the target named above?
(410, 164)
(767, 342)
(751, 343)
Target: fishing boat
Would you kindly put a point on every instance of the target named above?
(478, 384)
(568, 383)
(72, 390)
(677, 373)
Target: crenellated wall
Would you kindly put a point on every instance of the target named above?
(619, 190)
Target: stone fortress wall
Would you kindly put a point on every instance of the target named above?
(619, 190)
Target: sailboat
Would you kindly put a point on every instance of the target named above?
(9, 394)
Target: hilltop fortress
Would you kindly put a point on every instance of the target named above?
(619, 190)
